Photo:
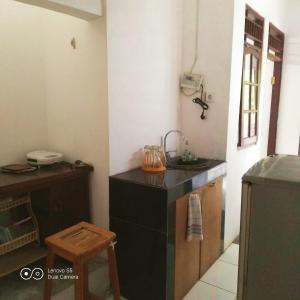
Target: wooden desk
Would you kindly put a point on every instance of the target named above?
(60, 198)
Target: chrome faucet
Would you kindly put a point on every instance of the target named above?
(167, 153)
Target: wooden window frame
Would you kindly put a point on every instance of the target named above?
(254, 30)
(276, 44)
(249, 140)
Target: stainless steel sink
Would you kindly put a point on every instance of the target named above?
(199, 163)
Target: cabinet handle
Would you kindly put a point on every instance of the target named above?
(212, 184)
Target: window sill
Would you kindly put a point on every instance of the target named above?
(246, 143)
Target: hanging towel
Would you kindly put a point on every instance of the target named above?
(194, 224)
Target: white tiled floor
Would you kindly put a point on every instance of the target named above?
(204, 291)
(220, 281)
(231, 255)
(222, 275)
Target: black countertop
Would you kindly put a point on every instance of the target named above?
(174, 177)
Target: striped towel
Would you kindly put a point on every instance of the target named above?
(194, 224)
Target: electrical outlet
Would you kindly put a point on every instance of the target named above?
(210, 98)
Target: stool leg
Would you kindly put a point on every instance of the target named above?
(81, 284)
(113, 271)
(48, 282)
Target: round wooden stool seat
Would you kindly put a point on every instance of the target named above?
(79, 244)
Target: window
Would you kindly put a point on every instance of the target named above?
(276, 44)
(249, 104)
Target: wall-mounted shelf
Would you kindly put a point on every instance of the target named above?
(87, 9)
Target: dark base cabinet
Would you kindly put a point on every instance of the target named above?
(151, 252)
(61, 205)
(141, 257)
(138, 215)
(59, 195)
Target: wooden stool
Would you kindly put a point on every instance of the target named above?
(78, 244)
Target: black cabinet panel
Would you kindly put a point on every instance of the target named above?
(142, 260)
(75, 204)
(143, 205)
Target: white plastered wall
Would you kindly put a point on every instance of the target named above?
(76, 97)
(23, 120)
(240, 160)
(144, 61)
(53, 96)
(207, 138)
(221, 34)
(289, 110)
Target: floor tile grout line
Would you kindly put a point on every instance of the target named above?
(218, 287)
(227, 262)
(215, 286)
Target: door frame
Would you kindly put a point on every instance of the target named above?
(275, 53)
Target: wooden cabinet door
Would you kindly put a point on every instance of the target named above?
(187, 254)
(75, 201)
(211, 204)
(61, 205)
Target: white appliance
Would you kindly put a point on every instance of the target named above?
(43, 158)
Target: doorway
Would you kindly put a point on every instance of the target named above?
(275, 54)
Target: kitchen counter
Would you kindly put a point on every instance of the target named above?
(142, 209)
(172, 178)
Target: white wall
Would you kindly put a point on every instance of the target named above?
(144, 60)
(52, 96)
(23, 125)
(221, 35)
(289, 111)
(76, 89)
(240, 160)
(40, 75)
(208, 138)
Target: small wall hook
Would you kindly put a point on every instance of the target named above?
(73, 43)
